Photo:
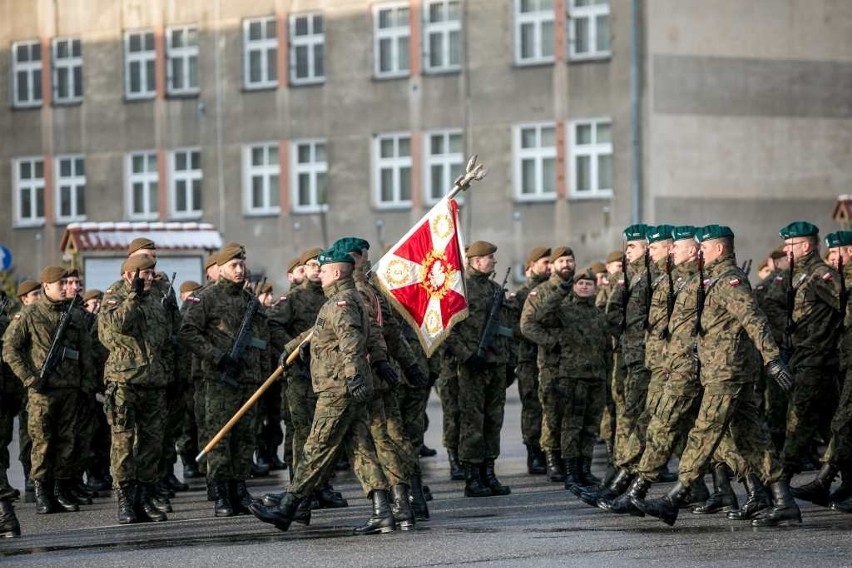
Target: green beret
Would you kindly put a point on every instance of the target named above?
(51, 274)
(711, 232)
(838, 239)
(798, 229)
(26, 287)
(481, 248)
(229, 252)
(138, 262)
(332, 255)
(684, 232)
(659, 233)
(559, 252)
(635, 232)
(140, 243)
(537, 254)
(351, 244)
(309, 254)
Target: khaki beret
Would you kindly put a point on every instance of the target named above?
(559, 252)
(140, 243)
(778, 253)
(93, 294)
(584, 275)
(229, 252)
(210, 261)
(537, 254)
(294, 262)
(309, 254)
(615, 256)
(138, 262)
(72, 273)
(597, 267)
(266, 288)
(189, 286)
(51, 274)
(481, 248)
(26, 287)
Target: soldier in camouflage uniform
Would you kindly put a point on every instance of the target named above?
(209, 329)
(539, 323)
(98, 463)
(607, 431)
(187, 442)
(538, 271)
(135, 329)
(11, 398)
(728, 419)
(53, 402)
(448, 393)
(482, 376)
(29, 292)
(816, 320)
(340, 344)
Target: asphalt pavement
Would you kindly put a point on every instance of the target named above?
(539, 524)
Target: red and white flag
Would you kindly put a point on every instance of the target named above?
(423, 275)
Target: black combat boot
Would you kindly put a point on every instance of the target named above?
(535, 461)
(784, 510)
(276, 462)
(126, 514)
(572, 475)
(623, 504)
(9, 526)
(723, 497)
(44, 504)
(145, 503)
(381, 521)
(190, 468)
(329, 498)
(96, 481)
(456, 469)
(263, 460)
(272, 499)
(259, 469)
(473, 485)
(756, 500)
(667, 476)
(418, 500)
(222, 505)
(75, 491)
(63, 498)
(818, 490)
(616, 487)
(281, 515)
(403, 515)
(240, 497)
(303, 512)
(427, 452)
(174, 483)
(698, 493)
(160, 497)
(843, 492)
(490, 479)
(554, 466)
(666, 509)
(211, 489)
(586, 476)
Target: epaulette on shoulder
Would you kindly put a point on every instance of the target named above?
(827, 276)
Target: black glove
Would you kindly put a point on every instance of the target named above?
(137, 284)
(230, 369)
(305, 352)
(385, 372)
(416, 377)
(510, 375)
(780, 373)
(475, 362)
(358, 388)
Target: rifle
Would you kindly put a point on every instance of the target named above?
(168, 298)
(57, 351)
(670, 298)
(746, 267)
(700, 295)
(646, 323)
(492, 322)
(844, 295)
(4, 301)
(243, 340)
(790, 325)
(625, 291)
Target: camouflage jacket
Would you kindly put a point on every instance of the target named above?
(137, 333)
(527, 350)
(540, 320)
(382, 316)
(732, 326)
(771, 294)
(584, 338)
(845, 341)
(464, 339)
(632, 334)
(27, 341)
(605, 291)
(680, 361)
(294, 313)
(816, 313)
(210, 328)
(658, 319)
(9, 383)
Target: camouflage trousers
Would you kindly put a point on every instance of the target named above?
(287, 418)
(632, 451)
(302, 402)
(187, 442)
(775, 402)
(232, 456)
(270, 434)
(52, 425)
(412, 407)
(839, 449)
(393, 448)
(730, 427)
(199, 400)
(531, 412)
(10, 405)
(630, 398)
(813, 392)
(448, 392)
(482, 398)
(572, 409)
(137, 418)
(25, 441)
(176, 410)
(90, 415)
(338, 422)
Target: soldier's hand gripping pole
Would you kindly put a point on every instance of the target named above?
(251, 401)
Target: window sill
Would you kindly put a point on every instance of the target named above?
(140, 98)
(34, 224)
(28, 106)
(535, 63)
(392, 76)
(597, 196)
(310, 210)
(259, 88)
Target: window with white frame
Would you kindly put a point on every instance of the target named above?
(392, 170)
(142, 186)
(182, 60)
(588, 29)
(260, 179)
(444, 163)
(534, 20)
(442, 35)
(260, 53)
(391, 37)
(309, 176)
(67, 70)
(591, 158)
(185, 183)
(70, 189)
(140, 80)
(26, 74)
(307, 49)
(28, 176)
(535, 161)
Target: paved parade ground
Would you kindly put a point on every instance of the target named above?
(539, 524)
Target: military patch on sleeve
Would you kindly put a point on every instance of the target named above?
(512, 295)
(759, 287)
(112, 302)
(533, 293)
(193, 299)
(108, 291)
(827, 276)
(734, 282)
(282, 299)
(621, 282)
(17, 316)
(342, 304)
(779, 279)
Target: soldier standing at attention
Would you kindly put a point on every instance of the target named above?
(187, 442)
(53, 400)
(481, 378)
(538, 271)
(29, 291)
(210, 329)
(134, 328)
